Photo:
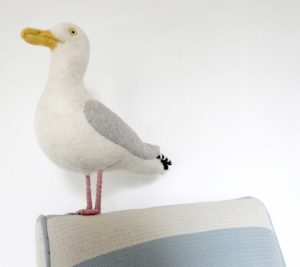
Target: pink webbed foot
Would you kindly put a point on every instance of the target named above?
(87, 212)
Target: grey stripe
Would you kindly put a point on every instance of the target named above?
(43, 221)
(246, 247)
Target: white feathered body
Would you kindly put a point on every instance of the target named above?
(62, 128)
(69, 141)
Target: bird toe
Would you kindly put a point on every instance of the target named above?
(86, 212)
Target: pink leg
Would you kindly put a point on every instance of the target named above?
(89, 209)
(89, 204)
(98, 191)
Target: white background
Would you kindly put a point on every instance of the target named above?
(214, 83)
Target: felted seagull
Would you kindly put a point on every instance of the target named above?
(76, 131)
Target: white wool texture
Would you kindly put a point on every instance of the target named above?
(62, 129)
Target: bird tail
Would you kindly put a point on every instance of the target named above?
(146, 166)
(164, 161)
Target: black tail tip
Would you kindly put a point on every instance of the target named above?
(164, 161)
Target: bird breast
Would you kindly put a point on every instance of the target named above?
(65, 136)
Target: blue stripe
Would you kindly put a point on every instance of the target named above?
(237, 247)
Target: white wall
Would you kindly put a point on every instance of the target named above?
(214, 83)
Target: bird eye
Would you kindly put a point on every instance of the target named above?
(72, 31)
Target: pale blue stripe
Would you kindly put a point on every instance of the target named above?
(238, 247)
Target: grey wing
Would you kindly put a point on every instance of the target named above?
(112, 127)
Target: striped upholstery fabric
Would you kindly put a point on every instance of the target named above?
(233, 233)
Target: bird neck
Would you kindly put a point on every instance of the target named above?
(65, 83)
(67, 67)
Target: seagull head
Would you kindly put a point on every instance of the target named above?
(68, 43)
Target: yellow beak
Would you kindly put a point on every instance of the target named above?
(39, 37)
